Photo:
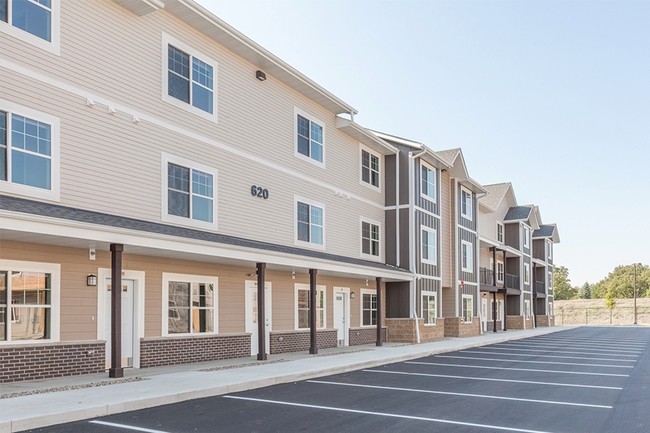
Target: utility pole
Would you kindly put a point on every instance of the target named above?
(635, 294)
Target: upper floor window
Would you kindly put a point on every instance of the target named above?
(370, 168)
(428, 181)
(29, 152)
(34, 21)
(370, 239)
(429, 308)
(310, 139)
(189, 78)
(500, 232)
(526, 237)
(190, 192)
(302, 306)
(549, 247)
(500, 271)
(191, 304)
(429, 245)
(466, 205)
(368, 308)
(467, 256)
(310, 222)
(526, 273)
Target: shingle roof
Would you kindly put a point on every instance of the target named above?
(518, 213)
(448, 156)
(495, 194)
(547, 231)
(15, 204)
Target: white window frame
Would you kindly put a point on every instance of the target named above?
(166, 159)
(188, 278)
(470, 309)
(469, 207)
(501, 236)
(428, 293)
(170, 40)
(550, 279)
(311, 203)
(526, 273)
(550, 308)
(54, 270)
(379, 246)
(371, 154)
(526, 235)
(54, 193)
(53, 46)
(527, 311)
(549, 247)
(312, 119)
(467, 256)
(321, 293)
(367, 292)
(429, 231)
(501, 271)
(434, 192)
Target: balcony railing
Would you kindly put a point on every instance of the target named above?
(512, 281)
(487, 277)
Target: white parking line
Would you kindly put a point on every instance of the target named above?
(461, 394)
(534, 362)
(545, 356)
(610, 346)
(559, 351)
(596, 340)
(586, 373)
(547, 347)
(388, 415)
(491, 379)
(126, 427)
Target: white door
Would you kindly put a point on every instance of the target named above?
(251, 315)
(341, 315)
(484, 313)
(128, 290)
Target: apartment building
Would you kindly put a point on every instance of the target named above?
(543, 240)
(233, 200)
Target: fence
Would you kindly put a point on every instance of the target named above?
(569, 315)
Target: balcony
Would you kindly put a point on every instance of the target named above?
(512, 281)
(487, 277)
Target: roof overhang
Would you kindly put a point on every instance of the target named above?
(365, 136)
(141, 7)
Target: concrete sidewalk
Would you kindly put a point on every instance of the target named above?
(29, 405)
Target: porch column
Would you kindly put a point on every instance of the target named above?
(379, 322)
(313, 345)
(494, 310)
(261, 313)
(116, 369)
(505, 293)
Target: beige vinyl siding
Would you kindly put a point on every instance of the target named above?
(448, 303)
(485, 257)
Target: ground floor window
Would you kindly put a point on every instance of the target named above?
(550, 309)
(191, 304)
(499, 305)
(527, 308)
(468, 308)
(368, 308)
(429, 308)
(302, 306)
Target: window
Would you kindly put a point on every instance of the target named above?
(468, 308)
(302, 306)
(29, 152)
(429, 309)
(549, 247)
(466, 203)
(550, 309)
(526, 273)
(500, 232)
(428, 182)
(429, 246)
(550, 279)
(190, 191)
(527, 308)
(189, 78)
(310, 223)
(500, 271)
(368, 308)
(191, 304)
(33, 21)
(369, 239)
(310, 138)
(28, 301)
(526, 237)
(369, 168)
(467, 256)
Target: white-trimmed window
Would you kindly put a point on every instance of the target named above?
(500, 232)
(32, 21)
(190, 304)
(466, 204)
(370, 168)
(189, 192)
(549, 248)
(526, 308)
(368, 307)
(550, 308)
(310, 138)
(467, 256)
(189, 78)
(468, 308)
(29, 152)
(526, 273)
(370, 239)
(310, 223)
(500, 271)
(550, 279)
(302, 306)
(29, 301)
(428, 250)
(429, 307)
(526, 237)
(427, 181)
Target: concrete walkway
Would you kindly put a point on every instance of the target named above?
(28, 405)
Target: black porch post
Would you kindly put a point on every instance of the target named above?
(261, 313)
(313, 308)
(494, 310)
(116, 369)
(379, 321)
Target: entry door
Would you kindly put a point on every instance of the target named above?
(341, 315)
(484, 313)
(251, 315)
(128, 290)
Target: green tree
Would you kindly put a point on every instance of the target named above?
(610, 303)
(621, 282)
(562, 288)
(584, 292)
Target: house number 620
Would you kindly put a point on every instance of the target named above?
(258, 191)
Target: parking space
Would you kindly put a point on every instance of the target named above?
(582, 380)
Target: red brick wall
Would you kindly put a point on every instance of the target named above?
(490, 325)
(543, 321)
(366, 335)
(298, 341)
(43, 361)
(515, 322)
(403, 331)
(159, 351)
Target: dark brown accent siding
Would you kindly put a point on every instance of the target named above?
(397, 299)
(512, 234)
(539, 249)
(298, 341)
(390, 238)
(390, 184)
(155, 352)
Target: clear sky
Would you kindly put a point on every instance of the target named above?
(551, 95)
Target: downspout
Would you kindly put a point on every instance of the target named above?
(476, 258)
(456, 251)
(412, 158)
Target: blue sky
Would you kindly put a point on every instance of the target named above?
(553, 96)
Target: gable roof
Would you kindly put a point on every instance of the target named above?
(458, 169)
(495, 195)
(548, 231)
(518, 213)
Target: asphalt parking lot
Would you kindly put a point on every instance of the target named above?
(582, 380)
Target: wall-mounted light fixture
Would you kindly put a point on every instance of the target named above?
(260, 75)
(252, 274)
(353, 295)
(293, 275)
(91, 280)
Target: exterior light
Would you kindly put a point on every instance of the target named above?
(91, 280)
(260, 75)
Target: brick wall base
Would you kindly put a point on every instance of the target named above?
(490, 326)
(515, 322)
(455, 327)
(429, 333)
(543, 321)
(159, 351)
(366, 335)
(44, 361)
(401, 330)
(298, 341)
